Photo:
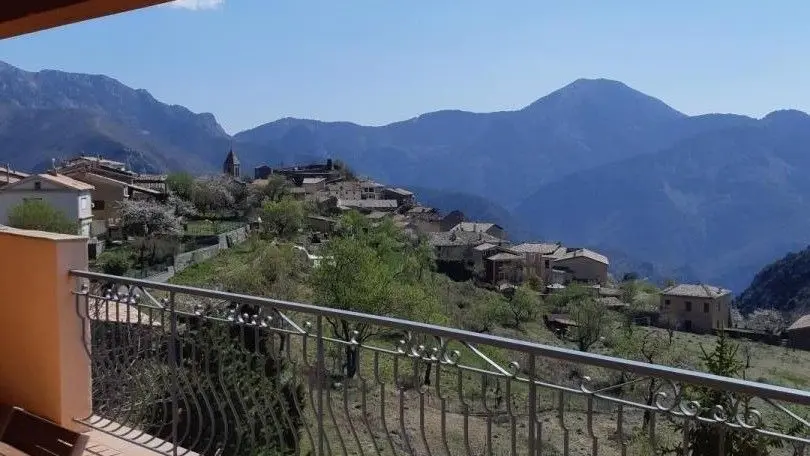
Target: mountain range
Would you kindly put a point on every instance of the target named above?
(595, 163)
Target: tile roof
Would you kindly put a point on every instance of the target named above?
(505, 256)
(475, 227)
(314, 180)
(695, 291)
(12, 173)
(368, 203)
(456, 238)
(109, 180)
(580, 253)
(99, 160)
(400, 191)
(64, 181)
(485, 246)
(801, 323)
(421, 210)
(541, 248)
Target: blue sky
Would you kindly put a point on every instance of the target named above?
(377, 61)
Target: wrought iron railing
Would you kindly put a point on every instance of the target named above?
(186, 370)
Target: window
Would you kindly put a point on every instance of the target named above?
(83, 203)
(687, 324)
(688, 306)
(548, 264)
(705, 307)
(37, 185)
(98, 205)
(666, 303)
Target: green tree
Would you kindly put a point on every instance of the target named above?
(282, 218)
(706, 439)
(523, 305)
(276, 188)
(571, 295)
(629, 291)
(39, 215)
(180, 184)
(375, 270)
(276, 271)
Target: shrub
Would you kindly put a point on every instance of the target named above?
(114, 262)
(40, 215)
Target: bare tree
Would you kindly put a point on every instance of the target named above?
(592, 319)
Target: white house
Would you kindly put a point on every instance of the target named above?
(69, 196)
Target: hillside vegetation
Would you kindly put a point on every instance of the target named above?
(783, 285)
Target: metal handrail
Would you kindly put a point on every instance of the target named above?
(744, 387)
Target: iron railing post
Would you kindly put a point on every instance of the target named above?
(173, 370)
(319, 374)
(532, 407)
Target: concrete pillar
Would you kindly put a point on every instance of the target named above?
(44, 367)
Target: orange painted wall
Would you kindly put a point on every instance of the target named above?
(43, 366)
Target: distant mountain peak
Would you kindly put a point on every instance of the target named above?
(596, 82)
(782, 115)
(605, 93)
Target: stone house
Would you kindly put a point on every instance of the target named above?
(799, 333)
(477, 227)
(697, 308)
(108, 194)
(452, 219)
(312, 185)
(114, 170)
(454, 251)
(583, 265)
(504, 266)
(403, 197)
(371, 190)
(262, 172)
(534, 253)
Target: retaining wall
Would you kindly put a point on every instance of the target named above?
(226, 241)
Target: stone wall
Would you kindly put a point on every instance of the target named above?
(226, 241)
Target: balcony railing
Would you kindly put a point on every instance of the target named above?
(188, 370)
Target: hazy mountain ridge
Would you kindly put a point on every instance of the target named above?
(594, 163)
(53, 114)
(501, 156)
(722, 202)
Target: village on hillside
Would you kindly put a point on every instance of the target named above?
(91, 192)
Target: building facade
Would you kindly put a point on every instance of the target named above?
(69, 196)
(696, 308)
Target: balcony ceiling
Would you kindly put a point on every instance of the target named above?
(18, 17)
